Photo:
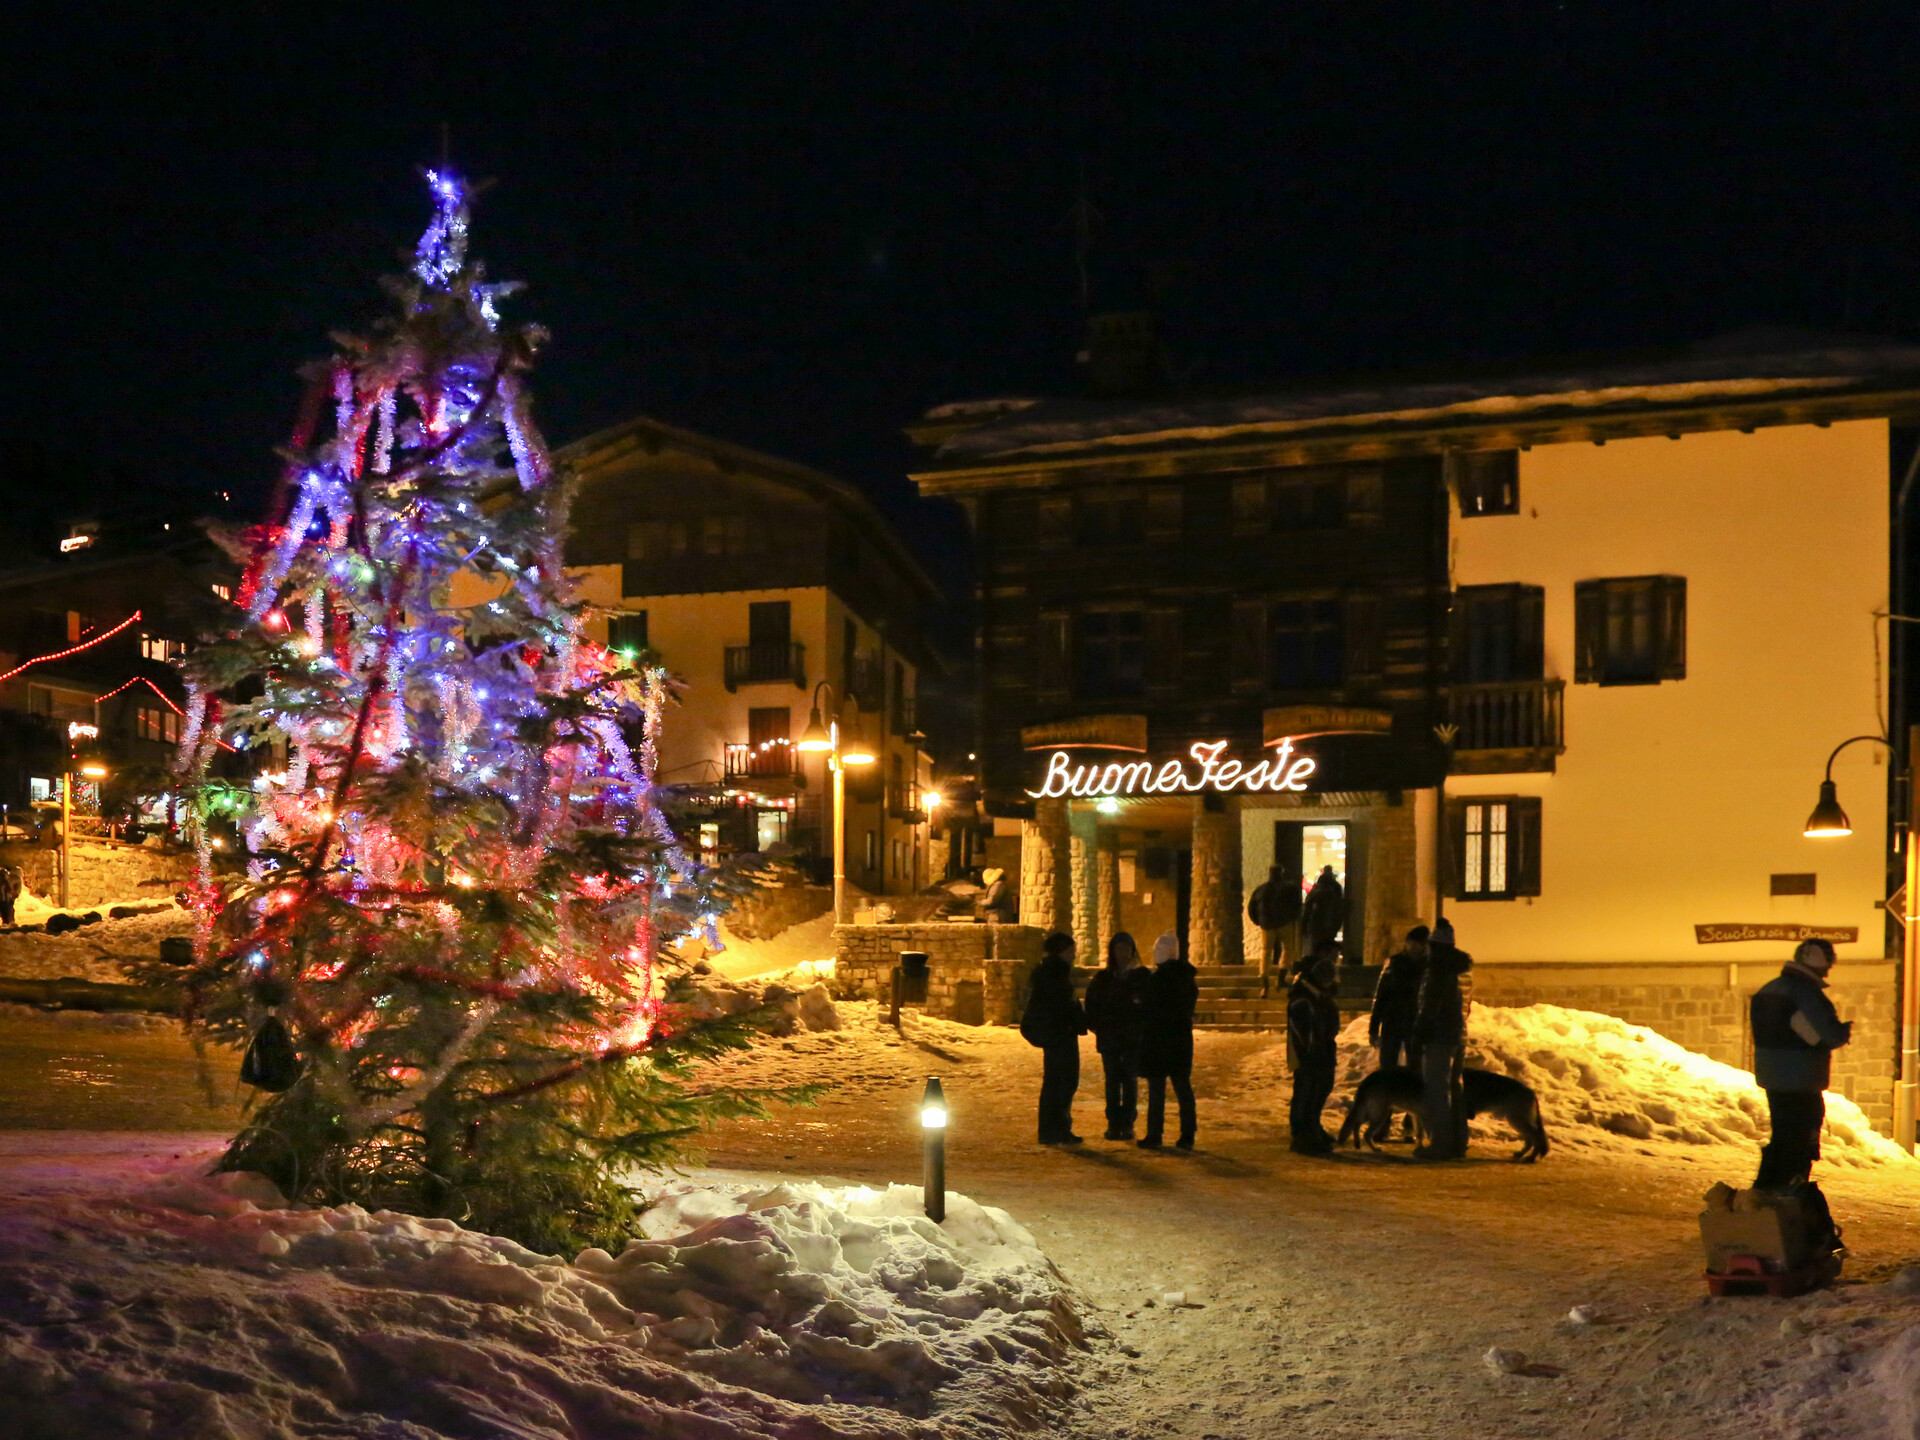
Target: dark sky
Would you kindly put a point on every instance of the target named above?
(797, 225)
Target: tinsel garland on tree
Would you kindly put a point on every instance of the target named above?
(445, 949)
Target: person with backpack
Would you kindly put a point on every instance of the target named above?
(1795, 1032)
(1274, 907)
(1113, 1014)
(1054, 1022)
(1313, 1048)
(1170, 996)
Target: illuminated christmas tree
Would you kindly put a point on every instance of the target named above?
(454, 888)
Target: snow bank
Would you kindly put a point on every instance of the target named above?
(795, 1310)
(800, 1001)
(1603, 1082)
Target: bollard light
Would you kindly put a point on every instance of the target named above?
(933, 1132)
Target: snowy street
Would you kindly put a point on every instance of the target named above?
(1322, 1297)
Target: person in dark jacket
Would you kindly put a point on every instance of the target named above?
(1113, 1014)
(1323, 914)
(1795, 1032)
(1440, 1030)
(1055, 1022)
(1396, 1003)
(1274, 906)
(10, 887)
(1166, 1041)
(1313, 1049)
(999, 903)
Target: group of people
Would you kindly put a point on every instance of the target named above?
(1142, 1024)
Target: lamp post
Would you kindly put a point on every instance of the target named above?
(93, 769)
(933, 1131)
(825, 739)
(1829, 821)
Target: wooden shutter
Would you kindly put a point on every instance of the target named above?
(1589, 631)
(1163, 512)
(1056, 520)
(1365, 662)
(1671, 610)
(1248, 645)
(1163, 648)
(1051, 654)
(1523, 845)
(1529, 632)
(1366, 495)
(1455, 865)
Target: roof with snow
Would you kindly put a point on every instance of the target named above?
(1741, 381)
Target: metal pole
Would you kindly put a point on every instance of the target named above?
(898, 982)
(933, 1130)
(1905, 1093)
(66, 833)
(839, 828)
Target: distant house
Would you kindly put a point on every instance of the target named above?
(755, 579)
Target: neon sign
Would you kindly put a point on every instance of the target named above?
(1286, 771)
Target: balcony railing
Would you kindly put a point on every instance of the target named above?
(769, 760)
(905, 801)
(1524, 718)
(767, 662)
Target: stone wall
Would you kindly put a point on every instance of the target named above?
(764, 913)
(997, 958)
(103, 871)
(1214, 903)
(1046, 896)
(1704, 1007)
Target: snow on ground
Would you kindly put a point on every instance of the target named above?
(195, 1307)
(809, 943)
(1606, 1085)
(93, 952)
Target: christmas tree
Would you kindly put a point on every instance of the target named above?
(435, 884)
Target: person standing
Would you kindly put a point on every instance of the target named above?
(1055, 1022)
(1313, 1048)
(1440, 1031)
(999, 904)
(1795, 1032)
(10, 887)
(1113, 1014)
(1168, 1001)
(1273, 906)
(1323, 914)
(1396, 1003)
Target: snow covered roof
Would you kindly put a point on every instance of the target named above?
(1739, 370)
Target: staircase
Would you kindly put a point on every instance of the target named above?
(1238, 997)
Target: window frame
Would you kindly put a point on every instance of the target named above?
(1486, 482)
(1472, 863)
(1595, 610)
(1085, 641)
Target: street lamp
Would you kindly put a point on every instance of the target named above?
(933, 1131)
(93, 769)
(823, 738)
(1829, 821)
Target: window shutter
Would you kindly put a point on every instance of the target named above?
(1056, 520)
(1365, 662)
(1456, 867)
(1523, 845)
(1050, 675)
(1163, 512)
(1589, 631)
(1163, 648)
(1249, 647)
(1366, 495)
(1672, 592)
(1529, 632)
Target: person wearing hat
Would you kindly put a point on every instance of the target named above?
(1168, 1001)
(1000, 905)
(1795, 1032)
(1396, 1002)
(1055, 1022)
(1440, 1030)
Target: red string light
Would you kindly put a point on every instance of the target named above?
(143, 680)
(72, 649)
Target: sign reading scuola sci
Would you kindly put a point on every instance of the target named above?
(1721, 934)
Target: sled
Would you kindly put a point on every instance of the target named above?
(1749, 1275)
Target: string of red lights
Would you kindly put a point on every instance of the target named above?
(72, 649)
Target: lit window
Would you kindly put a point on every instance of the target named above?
(225, 592)
(1497, 847)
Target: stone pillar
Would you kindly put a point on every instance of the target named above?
(1108, 888)
(1046, 895)
(1083, 830)
(1213, 907)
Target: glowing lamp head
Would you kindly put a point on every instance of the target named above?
(856, 752)
(814, 739)
(1108, 805)
(932, 800)
(93, 769)
(933, 1106)
(1828, 820)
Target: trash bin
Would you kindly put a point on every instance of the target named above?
(913, 977)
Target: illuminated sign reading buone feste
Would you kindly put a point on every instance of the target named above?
(1285, 771)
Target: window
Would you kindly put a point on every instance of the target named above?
(152, 647)
(873, 850)
(225, 592)
(1050, 654)
(1488, 482)
(1165, 512)
(769, 829)
(155, 724)
(1498, 633)
(1304, 645)
(1314, 501)
(1016, 521)
(723, 536)
(1494, 842)
(1113, 652)
(1630, 631)
(627, 634)
(1111, 517)
(657, 541)
(769, 724)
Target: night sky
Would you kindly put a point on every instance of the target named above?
(798, 225)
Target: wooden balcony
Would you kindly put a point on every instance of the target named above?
(905, 801)
(767, 662)
(770, 760)
(1508, 727)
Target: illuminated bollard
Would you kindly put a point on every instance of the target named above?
(933, 1130)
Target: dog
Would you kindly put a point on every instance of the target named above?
(1396, 1088)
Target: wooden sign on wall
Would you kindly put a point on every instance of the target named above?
(1721, 934)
